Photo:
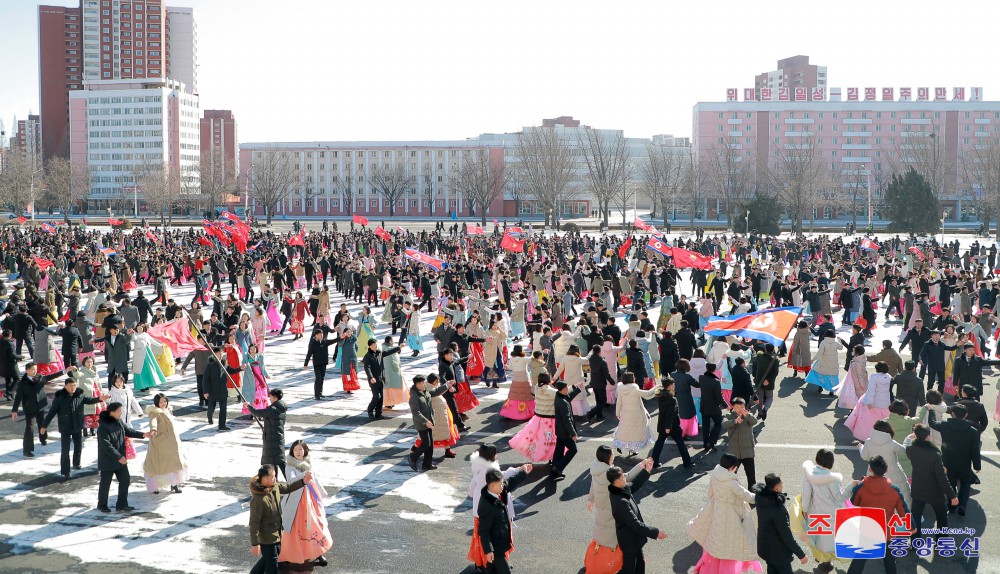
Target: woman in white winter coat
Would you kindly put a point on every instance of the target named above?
(726, 527)
(935, 402)
(823, 493)
(633, 433)
(482, 461)
(297, 464)
(882, 443)
(602, 553)
(571, 370)
(122, 394)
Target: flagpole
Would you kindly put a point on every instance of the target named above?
(239, 389)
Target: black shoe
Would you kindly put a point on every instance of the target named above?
(763, 414)
(66, 476)
(125, 508)
(43, 442)
(104, 509)
(688, 464)
(176, 489)
(556, 475)
(225, 429)
(379, 417)
(431, 467)
(413, 463)
(29, 454)
(210, 421)
(449, 454)
(321, 561)
(464, 428)
(961, 511)
(77, 467)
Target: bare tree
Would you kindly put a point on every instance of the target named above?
(515, 187)
(548, 169)
(663, 174)
(480, 179)
(730, 171)
(981, 172)
(796, 174)
(65, 184)
(273, 178)
(345, 186)
(609, 169)
(309, 192)
(391, 182)
(696, 177)
(218, 180)
(427, 189)
(925, 152)
(160, 187)
(18, 180)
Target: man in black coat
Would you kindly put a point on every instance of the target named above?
(111, 461)
(216, 391)
(600, 378)
(968, 369)
(31, 395)
(68, 406)
(143, 307)
(930, 486)
(908, 387)
(274, 429)
(631, 530)
(71, 343)
(375, 371)
(566, 434)
(118, 350)
(975, 412)
(961, 452)
(495, 523)
(932, 360)
(742, 380)
(856, 339)
(685, 341)
(319, 352)
(24, 329)
(765, 375)
(711, 407)
(8, 363)
(775, 543)
(916, 337)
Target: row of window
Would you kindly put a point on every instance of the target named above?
(878, 115)
(126, 100)
(373, 153)
(117, 123)
(127, 134)
(126, 145)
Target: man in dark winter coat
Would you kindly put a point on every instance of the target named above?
(968, 369)
(932, 360)
(960, 452)
(495, 523)
(775, 543)
(375, 369)
(319, 352)
(631, 530)
(930, 486)
(71, 343)
(68, 406)
(31, 395)
(765, 376)
(8, 364)
(711, 407)
(908, 387)
(274, 429)
(111, 461)
(600, 378)
(566, 434)
(216, 390)
(422, 411)
(118, 350)
(685, 341)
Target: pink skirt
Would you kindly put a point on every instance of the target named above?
(56, 366)
(727, 395)
(689, 427)
(518, 410)
(848, 396)
(863, 418)
(709, 564)
(537, 440)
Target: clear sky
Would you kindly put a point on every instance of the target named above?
(450, 69)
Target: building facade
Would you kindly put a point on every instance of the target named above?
(857, 138)
(794, 72)
(219, 146)
(334, 178)
(119, 128)
(28, 140)
(60, 69)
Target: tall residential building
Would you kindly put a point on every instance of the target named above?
(794, 72)
(60, 67)
(182, 48)
(28, 140)
(219, 153)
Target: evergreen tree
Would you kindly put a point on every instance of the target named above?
(765, 215)
(911, 204)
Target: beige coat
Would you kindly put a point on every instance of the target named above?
(604, 522)
(164, 453)
(726, 527)
(827, 360)
(633, 420)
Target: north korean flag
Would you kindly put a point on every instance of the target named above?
(659, 246)
(48, 228)
(869, 245)
(916, 251)
(421, 257)
(770, 325)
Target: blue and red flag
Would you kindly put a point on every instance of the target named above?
(421, 257)
(659, 246)
(771, 325)
(48, 228)
(869, 245)
(109, 252)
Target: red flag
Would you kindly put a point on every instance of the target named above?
(65, 316)
(398, 228)
(176, 334)
(684, 259)
(360, 220)
(640, 224)
(916, 251)
(239, 223)
(474, 229)
(112, 221)
(513, 240)
(42, 262)
(623, 250)
(869, 245)
(204, 241)
(298, 239)
(152, 236)
(421, 257)
(48, 228)
(22, 219)
(382, 233)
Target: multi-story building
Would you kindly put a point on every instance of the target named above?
(28, 140)
(60, 67)
(219, 146)
(334, 178)
(857, 138)
(121, 128)
(794, 72)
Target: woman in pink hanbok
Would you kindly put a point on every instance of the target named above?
(855, 383)
(253, 370)
(259, 325)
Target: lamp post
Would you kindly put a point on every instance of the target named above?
(246, 191)
(944, 215)
(32, 192)
(748, 223)
(868, 172)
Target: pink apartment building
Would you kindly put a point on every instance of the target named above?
(866, 132)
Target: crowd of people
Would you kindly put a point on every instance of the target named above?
(577, 327)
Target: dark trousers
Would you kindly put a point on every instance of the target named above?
(29, 432)
(77, 440)
(779, 567)
(268, 562)
(449, 398)
(320, 372)
(889, 562)
(223, 404)
(601, 397)
(426, 447)
(27, 341)
(750, 469)
(710, 429)
(9, 384)
(633, 563)
(124, 478)
(284, 324)
(674, 434)
(500, 564)
(931, 376)
(111, 377)
(375, 405)
(961, 481)
(200, 382)
(940, 513)
(565, 451)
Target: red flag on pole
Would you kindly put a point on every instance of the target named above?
(298, 239)
(382, 233)
(177, 335)
(22, 219)
(916, 251)
(360, 220)
(204, 241)
(513, 240)
(623, 250)
(640, 224)
(474, 229)
(398, 228)
(684, 259)
(42, 262)
(152, 236)
(113, 221)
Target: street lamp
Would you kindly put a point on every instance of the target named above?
(246, 192)
(944, 215)
(32, 193)
(748, 223)
(868, 172)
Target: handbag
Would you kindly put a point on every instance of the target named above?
(129, 449)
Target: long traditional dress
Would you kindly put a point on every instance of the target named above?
(299, 312)
(872, 406)
(91, 386)
(633, 432)
(493, 357)
(146, 372)
(854, 384)
(234, 360)
(800, 357)
(571, 372)
(537, 440)
(520, 403)
(253, 370)
(366, 331)
(825, 370)
(259, 326)
(348, 355)
(414, 339)
(46, 356)
(393, 392)
(165, 464)
(305, 532)
(477, 358)
(726, 527)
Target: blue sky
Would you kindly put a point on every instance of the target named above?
(443, 69)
